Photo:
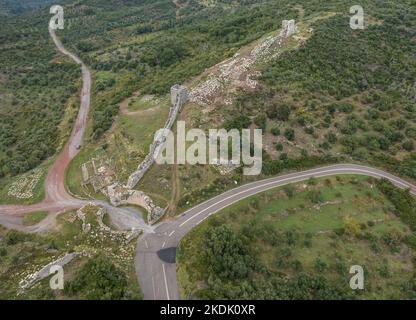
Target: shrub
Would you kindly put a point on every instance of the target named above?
(315, 196)
(13, 237)
(275, 131)
(290, 134)
(408, 145)
(283, 156)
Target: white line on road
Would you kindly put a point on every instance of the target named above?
(145, 242)
(171, 233)
(163, 245)
(153, 285)
(166, 283)
(301, 176)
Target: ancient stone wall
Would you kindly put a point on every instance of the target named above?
(179, 96)
(32, 279)
(289, 28)
(121, 195)
(239, 72)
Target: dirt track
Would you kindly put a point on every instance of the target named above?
(57, 198)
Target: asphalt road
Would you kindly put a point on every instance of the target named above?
(156, 250)
(155, 258)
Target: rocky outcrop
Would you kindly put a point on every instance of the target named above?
(179, 96)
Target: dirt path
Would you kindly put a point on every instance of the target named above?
(57, 198)
(176, 189)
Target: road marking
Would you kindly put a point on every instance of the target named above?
(171, 233)
(163, 245)
(153, 283)
(277, 183)
(154, 290)
(204, 219)
(145, 242)
(166, 283)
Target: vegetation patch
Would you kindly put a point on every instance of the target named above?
(299, 242)
(33, 218)
(104, 271)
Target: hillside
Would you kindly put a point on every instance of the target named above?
(299, 242)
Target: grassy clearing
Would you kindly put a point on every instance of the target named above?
(146, 102)
(73, 175)
(293, 238)
(33, 218)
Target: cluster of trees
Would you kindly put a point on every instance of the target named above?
(99, 279)
(403, 201)
(234, 271)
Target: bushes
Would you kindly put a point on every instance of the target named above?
(236, 273)
(13, 237)
(408, 145)
(290, 134)
(315, 196)
(280, 112)
(99, 279)
(275, 131)
(239, 122)
(228, 256)
(260, 122)
(404, 203)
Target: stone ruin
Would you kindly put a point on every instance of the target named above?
(44, 272)
(119, 194)
(98, 173)
(86, 227)
(238, 71)
(289, 28)
(178, 93)
(179, 96)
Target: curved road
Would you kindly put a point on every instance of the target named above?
(155, 258)
(57, 198)
(156, 250)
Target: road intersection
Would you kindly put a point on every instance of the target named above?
(156, 250)
(155, 258)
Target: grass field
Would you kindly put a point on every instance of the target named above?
(33, 218)
(317, 229)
